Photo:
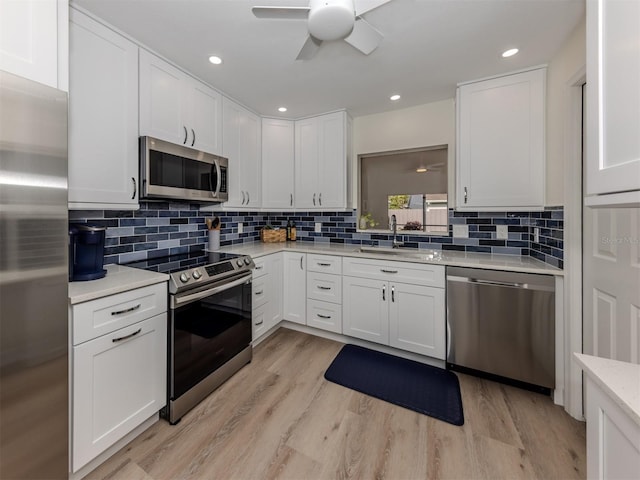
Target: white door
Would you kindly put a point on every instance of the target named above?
(231, 150)
(295, 287)
(277, 164)
(276, 284)
(417, 319)
(611, 283)
(203, 117)
(249, 148)
(306, 163)
(103, 152)
(332, 167)
(29, 39)
(365, 309)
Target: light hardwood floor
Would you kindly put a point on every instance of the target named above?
(279, 418)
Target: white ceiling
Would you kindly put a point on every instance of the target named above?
(428, 47)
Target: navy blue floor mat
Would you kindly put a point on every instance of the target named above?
(429, 390)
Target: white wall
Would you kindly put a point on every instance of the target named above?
(570, 59)
(421, 126)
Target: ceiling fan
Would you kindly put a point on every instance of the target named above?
(331, 20)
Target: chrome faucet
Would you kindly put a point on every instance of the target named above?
(394, 228)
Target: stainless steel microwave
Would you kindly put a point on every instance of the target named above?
(177, 172)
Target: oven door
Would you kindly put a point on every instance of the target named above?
(208, 327)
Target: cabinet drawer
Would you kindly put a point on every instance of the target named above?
(258, 321)
(325, 287)
(104, 315)
(404, 272)
(262, 267)
(324, 264)
(260, 291)
(324, 315)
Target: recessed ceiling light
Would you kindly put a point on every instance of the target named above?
(510, 53)
(394, 97)
(215, 60)
(282, 109)
(421, 169)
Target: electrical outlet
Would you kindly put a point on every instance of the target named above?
(536, 235)
(461, 231)
(318, 228)
(502, 232)
(240, 227)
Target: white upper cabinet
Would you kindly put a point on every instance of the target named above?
(500, 142)
(277, 164)
(321, 162)
(613, 103)
(33, 40)
(103, 116)
(177, 108)
(242, 146)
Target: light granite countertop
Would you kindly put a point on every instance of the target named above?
(619, 380)
(451, 258)
(118, 279)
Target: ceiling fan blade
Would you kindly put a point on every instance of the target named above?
(364, 37)
(309, 49)
(364, 6)
(281, 12)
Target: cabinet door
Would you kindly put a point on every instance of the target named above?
(295, 287)
(103, 148)
(332, 165)
(29, 39)
(417, 319)
(277, 164)
(276, 284)
(250, 155)
(365, 309)
(231, 150)
(119, 381)
(613, 100)
(501, 149)
(161, 98)
(203, 116)
(306, 163)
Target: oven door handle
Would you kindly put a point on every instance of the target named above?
(181, 300)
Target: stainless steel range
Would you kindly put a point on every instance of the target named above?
(209, 328)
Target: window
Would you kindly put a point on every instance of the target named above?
(410, 184)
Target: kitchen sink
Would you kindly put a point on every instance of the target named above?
(402, 252)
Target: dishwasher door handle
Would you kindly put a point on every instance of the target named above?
(495, 283)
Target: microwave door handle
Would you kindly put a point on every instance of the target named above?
(219, 185)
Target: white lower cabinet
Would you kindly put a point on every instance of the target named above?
(119, 367)
(266, 294)
(295, 287)
(119, 381)
(408, 316)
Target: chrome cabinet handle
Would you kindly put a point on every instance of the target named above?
(259, 267)
(324, 316)
(260, 322)
(324, 264)
(186, 135)
(383, 270)
(320, 198)
(119, 339)
(291, 199)
(301, 258)
(242, 196)
(127, 310)
(314, 199)
(248, 198)
(393, 294)
(384, 290)
(324, 288)
(260, 292)
(194, 137)
(465, 194)
(135, 188)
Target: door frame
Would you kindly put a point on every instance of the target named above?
(573, 200)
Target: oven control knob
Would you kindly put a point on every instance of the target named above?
(239, 262)
(184, 278)
(196, 274)
(247, 260)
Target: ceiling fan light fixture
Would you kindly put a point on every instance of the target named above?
(331, 19)
(215, 59)
(509, 53)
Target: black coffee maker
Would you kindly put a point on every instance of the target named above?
(86, 252)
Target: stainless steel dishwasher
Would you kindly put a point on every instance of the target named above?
(502, 324)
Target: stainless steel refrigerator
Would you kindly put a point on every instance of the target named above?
(34, 366)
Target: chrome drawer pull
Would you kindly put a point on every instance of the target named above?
(324, 264)
(388, 271)
(324, 316)
(120, 312)
(258, 267)
(260, 322)
(324, 288)
(119, 339)
(260, 292)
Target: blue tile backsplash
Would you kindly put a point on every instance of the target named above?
(163, 228)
